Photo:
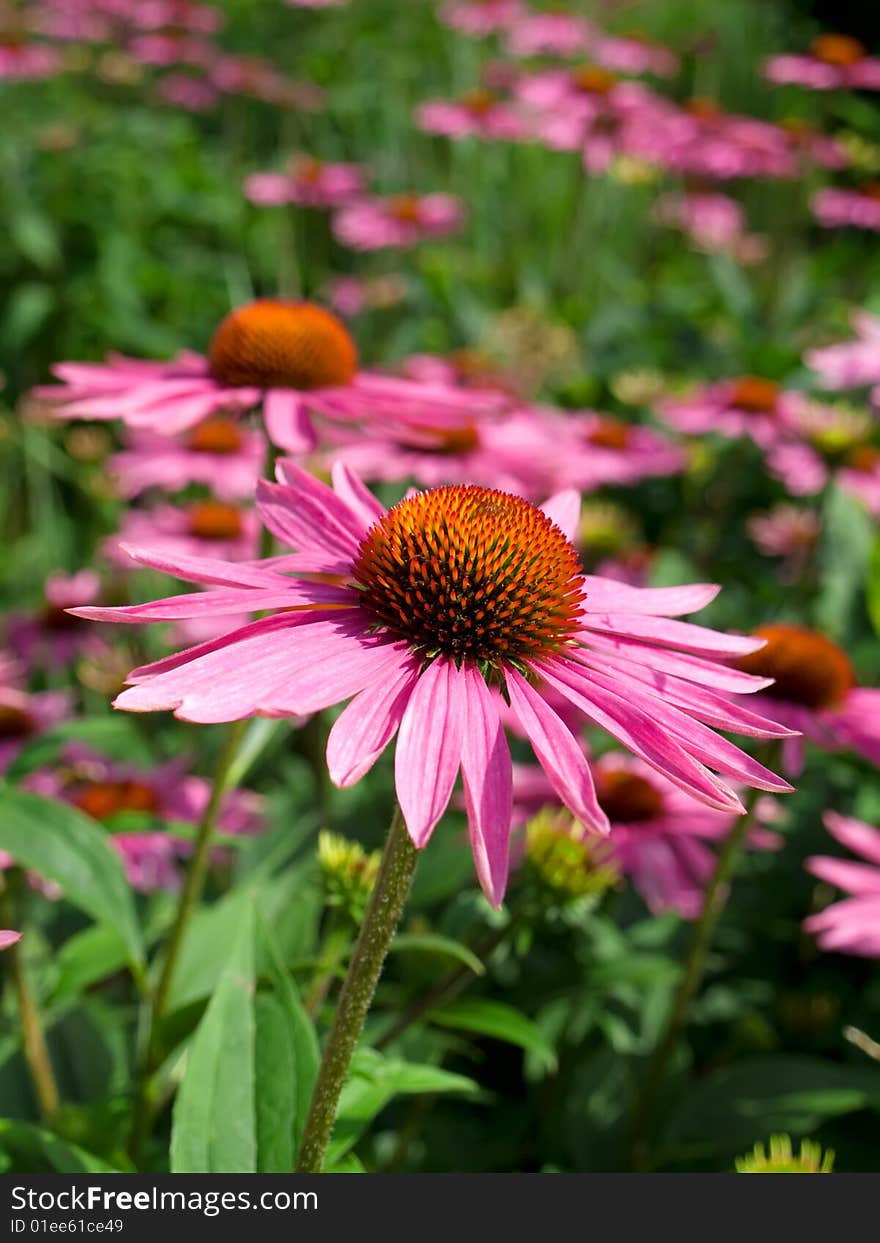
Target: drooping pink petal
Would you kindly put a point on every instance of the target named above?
(565, 510)
(306, 514)
(690, 668)
(855, 835)
(364, 729)
(287, 421)
(856, 878)
(488, 786)
(219, 603)
(607, 594)
(359, 499)
(558, 752)
(684, 635)
(428, 751)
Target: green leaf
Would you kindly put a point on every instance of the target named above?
(373, 1082)
(34, 1150)
(86, 957)
(274, 1087)
(873, 585)
(62, 844)
(500, 1021)
(430, 943)
(734, 1107)
(214, 1128)
(844, 552)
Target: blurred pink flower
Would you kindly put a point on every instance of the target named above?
(295, 357)
(631, 54)
(549, 34)
(787, 531)
(586, 450)
(188, 92)
(851, 364)
(749, 406)
(201, 529)
(658, 835)
(398, 220)
(52, 638)
(166, 48)
(7, 938)
(179, 14)
(814, 692)
(22, 60)
(308, 183)
(840, 209)
(479, 113)
(481, 17)
(853, 925)
(384, 621)
(24, 716)
(835, 62)
(219, 453)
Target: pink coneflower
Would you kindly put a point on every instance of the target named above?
(8, 937)
(188, 92)
(853, 925)
(587, 450)
(179, 14)
(308, 183)
(104, 790)
(477, 114)
(420, 610)
(219, 453)
(713, 221)
(399, 220)
(787, 531)
(481, 17)
(812, 146)
(749, 406)
(705, 141)
(835, 62)
(814, 692)
(52, 637)
(658, 835)
(827, 442)
(549, 34)
(633, 54)
(499, 452)
(21, 60)
(295, 357)
(350, 295)
(203, 529)
(171, 48)
(841, 209)
(850, 364)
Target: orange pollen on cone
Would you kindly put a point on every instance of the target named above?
(609, 434)
(863, 457)
(215, 436)
(754, 394)
(703, 107)
(872, 189)
(592, 80)
(102, 799)
(471, 572)
(306, 168)
(275, 344)
(626, 797)
(406, 207)
(452, 439)
(212, 520)
(839, 50)
(479, 100)
(15, 722)
(809, 669)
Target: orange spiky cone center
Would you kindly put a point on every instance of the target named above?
(215, 436)
(754, 394)
(809, 669)
(276, 344)
(838, 50)
(471, 573)
(406, 208)
(213, 520)
(609, 433)
(593, 80)
(103, 799)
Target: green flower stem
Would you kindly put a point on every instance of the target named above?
(694, 967)
(193, 885)
(377, 931)
(36, 1051)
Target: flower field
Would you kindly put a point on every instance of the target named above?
(440, 605)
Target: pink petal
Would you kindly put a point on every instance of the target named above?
(429, 747)
(220, 603)
(857, 878)
(558, 752)
(606, 594)
(565, 510)
(690, 668)
(364, 729)
(488, 786)
(356, 496)
(855, 835)
(8, 937)
(287, 421)
(684, 635)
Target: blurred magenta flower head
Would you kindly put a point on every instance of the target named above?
(204, 528)
(424, 613)
(307, 182)
(835, 62)
(658, 832)
(52, 638)
(25, 715)
(851, 364)
(295, 357)
(748, 406)
(841, 209)
(714, 222)
(479, 113)
(221, 454)
(481, 17)
(853, 925)
(105, 790)
(814, 692)
(634, 54)
(399, 220)
(8, 937)
(549, 34)
(787, 531)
